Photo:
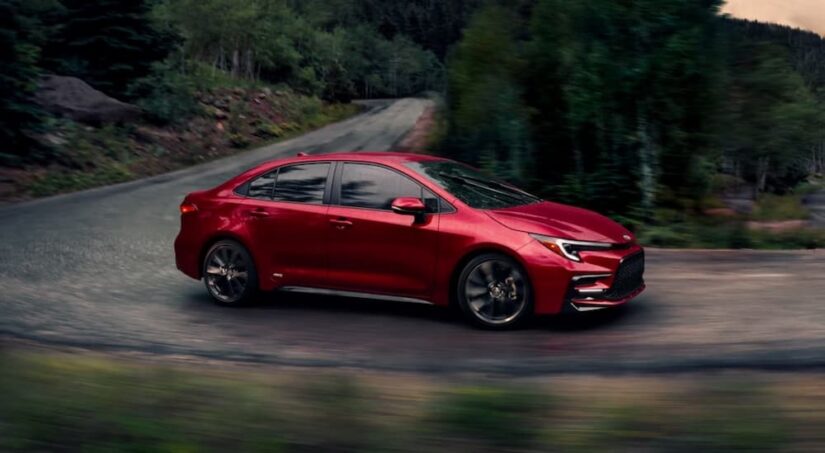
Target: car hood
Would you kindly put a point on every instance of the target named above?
(562, 221)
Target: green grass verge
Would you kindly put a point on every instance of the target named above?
(68, 402)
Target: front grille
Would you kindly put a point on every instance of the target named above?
(629, 277)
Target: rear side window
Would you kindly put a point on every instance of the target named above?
(303, 183)
(370, 186)
(262, 186)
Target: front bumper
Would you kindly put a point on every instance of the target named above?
(602, 280)
(596, 292)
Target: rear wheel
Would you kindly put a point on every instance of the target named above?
(494, 292)
(229, 273)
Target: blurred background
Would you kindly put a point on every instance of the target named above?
(698, 124)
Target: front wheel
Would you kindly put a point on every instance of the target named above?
(229, 273)
(494, 292)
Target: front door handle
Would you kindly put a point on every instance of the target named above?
(340, 223)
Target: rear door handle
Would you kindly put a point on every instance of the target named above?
(340, 223)
(258, 213)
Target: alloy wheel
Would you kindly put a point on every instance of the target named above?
(496, 292)
(227, 273)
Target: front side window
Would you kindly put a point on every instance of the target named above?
(303, 183)
(371, 186)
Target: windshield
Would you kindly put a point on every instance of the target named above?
(472, 187)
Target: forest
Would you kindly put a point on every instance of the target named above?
(629, 106)
(637, 109)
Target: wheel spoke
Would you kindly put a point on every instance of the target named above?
(476, 293)
(476, 281)
(479, 305)
(237, 287)
(212, 270)
(486, 269)
(229, 288)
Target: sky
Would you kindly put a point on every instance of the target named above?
(806, 14)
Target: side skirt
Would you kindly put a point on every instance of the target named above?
(352, 294)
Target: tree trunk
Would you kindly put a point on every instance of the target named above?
(762, 165)
(236, 62)
(647, 162)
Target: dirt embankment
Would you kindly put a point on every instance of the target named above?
(420, 137)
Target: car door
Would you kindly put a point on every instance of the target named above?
(371, 248)
(286, 216)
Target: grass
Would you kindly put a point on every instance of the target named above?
(71, 402)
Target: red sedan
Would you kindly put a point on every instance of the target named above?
(404, 227)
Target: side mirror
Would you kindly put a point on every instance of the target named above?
(408, 206)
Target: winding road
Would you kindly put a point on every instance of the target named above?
(96, 270)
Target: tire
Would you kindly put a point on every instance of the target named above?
(229, 274)
(494, 292)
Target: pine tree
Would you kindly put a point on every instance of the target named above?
(107, 43)
(19, 52)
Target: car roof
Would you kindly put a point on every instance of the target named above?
(373, 156)
(360, 156)
(387, 158)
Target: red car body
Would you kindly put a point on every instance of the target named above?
(363, 251)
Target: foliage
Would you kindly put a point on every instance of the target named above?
(779, 207)
(488, 119)
(272, 41)
(435, 25)
(166, 95)
(613, 102)
(671, 228)
(629, 106)
(85, 157)
(20, 37)
(107, 43)
(771, 118)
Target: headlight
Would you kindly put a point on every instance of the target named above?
(568, 248)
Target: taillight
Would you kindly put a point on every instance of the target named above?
(188, 208)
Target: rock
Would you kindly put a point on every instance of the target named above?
(75, 99)
(53, 139)
(219, 114)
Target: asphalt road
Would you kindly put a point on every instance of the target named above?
(96, 270)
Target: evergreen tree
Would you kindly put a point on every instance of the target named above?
(107, 43)
(488, 121)
(19, 53)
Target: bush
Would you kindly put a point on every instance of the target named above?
(780, 207)
(166, 95)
